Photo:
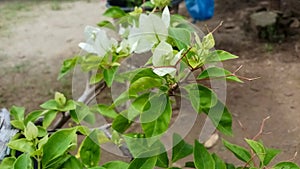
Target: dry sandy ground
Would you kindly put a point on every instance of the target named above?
(34, 46)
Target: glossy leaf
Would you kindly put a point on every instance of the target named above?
(201, 97)
(220, 164)
(67, 66)
(89, 152)
(72, 163)
(49, 117)
(121, 123)
(109, 75)
(17, 112)
(157, 118)
(217, 72)
(22, 145)
(7, 163)
(32, 116)
(270, 154)
(106, 24)
(220, 55)
(114, 12)
(162, 160)
(220, 117)
(31, 131)
(286, 165)
(57, 144)
(258, 148)
(107, 111)
(181, 37)
(115, 165)
(143, 84)
(180, 148)
(23, 162)
(202, 158)
(240, 152)
(143, 163)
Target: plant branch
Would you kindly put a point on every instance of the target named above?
(261, 128)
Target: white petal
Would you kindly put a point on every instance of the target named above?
(166, 16)
(87, 47)
(166, 70)
(90, 32)
(176, 58)
(162, 50)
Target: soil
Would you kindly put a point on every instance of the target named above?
(35, 41)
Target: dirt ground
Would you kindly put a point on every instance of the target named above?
(36, 37)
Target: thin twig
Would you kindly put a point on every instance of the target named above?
(261, 128)
(220, 24)
(293, 159)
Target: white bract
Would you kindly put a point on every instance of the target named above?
(164, 60)
(97, 41)
(152, 30)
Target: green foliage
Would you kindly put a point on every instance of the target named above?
(177, 54)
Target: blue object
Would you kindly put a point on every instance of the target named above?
(200, 9)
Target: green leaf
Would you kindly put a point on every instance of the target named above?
(80, 113)
(220, 117)
(50, 105)
(240, 152)
(59, 161)
(89, 152)
(220, 164)
(22, 145)
(270, 154)
(67, 66)
(258, 148)
(17, 112)
(286, 165)
(23, 162)
(57, 145)
(107, 111)
(31, 131)
(157, 118)
(143, 84)
(114, 12)
(162, 160)
(48, 118)
(70, 105)
(109, 75)
(72, 163)
(143, 163)
(60, 99)
(116, 165)
(7, 163)
(181, 37)
(96, 78)
(142, 72)
(121, 123)
(190, 164)
(230, 166)
(106, 24)
(201, 97)
(220, 55)
(202, 158)
(18, 124)
(208, 41)
(180, 149)
(32, 116)
(217, 72)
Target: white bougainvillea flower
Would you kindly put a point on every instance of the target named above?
(97, 41)
(152, 30)
(164, 60)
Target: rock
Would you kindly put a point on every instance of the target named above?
(295, 23)
(212, 140)
(263, 18)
